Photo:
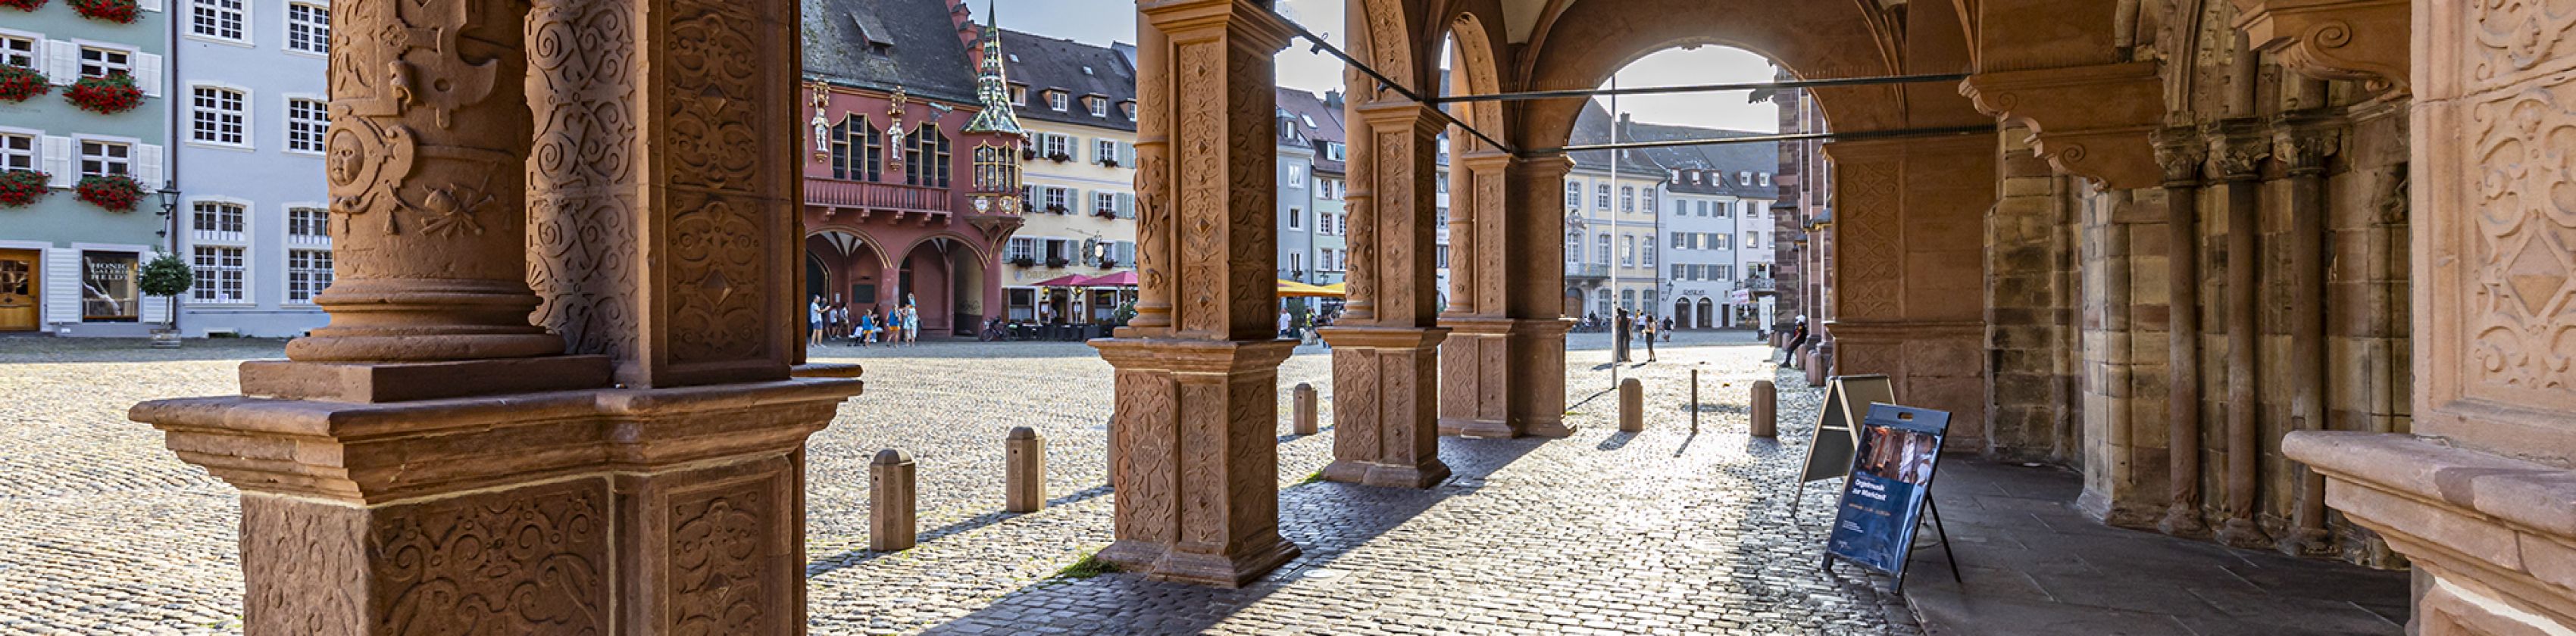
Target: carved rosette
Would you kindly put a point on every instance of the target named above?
(429, 131)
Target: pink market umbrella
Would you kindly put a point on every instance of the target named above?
(1121, 279)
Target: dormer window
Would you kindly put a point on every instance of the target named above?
(1099, 106)
(1310, 120)
(1128, 107)
(1766, 179)
(1744, 178)
(1019, 96)
(1058, 100)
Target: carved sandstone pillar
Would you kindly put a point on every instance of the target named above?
(1477, 361)
(2182, 153)
(429, 130)
(2302, 147)
(523, 494)
(1386, 379)
(1196, 414)
(1909, 261)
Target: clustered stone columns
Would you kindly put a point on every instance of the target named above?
(425, 464)
(2181, 153)
(1386, 381)
(2238, 155)
(1500, 369)
(1196, 372)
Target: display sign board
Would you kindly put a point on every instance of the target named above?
(1891, 479)
(1847, 397)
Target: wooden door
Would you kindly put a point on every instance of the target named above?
(20, 309)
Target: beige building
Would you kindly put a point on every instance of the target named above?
(1611, 258)
(1078, 103)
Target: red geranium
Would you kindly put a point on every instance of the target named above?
(115, 192)
(22, 5)
(17, 83)
(109, 95)
(117, 11)
(21, 187)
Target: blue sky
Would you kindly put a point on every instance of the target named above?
(1104, 21)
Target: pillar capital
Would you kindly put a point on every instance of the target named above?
(2237, 148)
(2182, 153)
(1487, 160)
(2090, 121)
(2361, 40)
(2302, 147)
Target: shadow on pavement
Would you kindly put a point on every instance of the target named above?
(827, 565)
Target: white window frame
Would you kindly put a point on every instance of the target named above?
(1574, 195)
(195, 110)
(1019, 96)
(241, 18)
(1105, 149)
(1104, 200)
(322, 223)
(317, 279)
(1099, 106)
(1297, 177)
(198, 234)
(1765, 179)
(321, 32)
(35, 48)
(320, 128)
(81, 156)
(34, 153)
(1601, 195)
(1020, 246)
(1059, 100)
(106, 69)
(211, 276)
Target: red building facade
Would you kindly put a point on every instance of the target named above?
(891, 211)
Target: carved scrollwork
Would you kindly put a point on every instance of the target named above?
(2359, 40)
(718, 541)
(524, 561)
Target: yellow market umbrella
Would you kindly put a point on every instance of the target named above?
(1338, 289)
(1294, 289)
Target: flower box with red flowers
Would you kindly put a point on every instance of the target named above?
(17, 83)
(115, 192)
(21, 187)
(22, 5)
(106, 95)
(117, 11)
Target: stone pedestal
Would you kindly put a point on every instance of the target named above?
(1198, 465)
(1384, 421)
(893, 519)
(1305, 421)
(1632, 406)
(1489, 365)
(601, 511)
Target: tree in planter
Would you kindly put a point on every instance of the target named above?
(117, 11)
(115, 93)
(115, 191)
(18, 83)
(167, 276)
(21, 187)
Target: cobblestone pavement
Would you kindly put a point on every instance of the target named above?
(103, 531)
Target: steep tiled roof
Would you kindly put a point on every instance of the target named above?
(1593, 127)
(886, 44)
(1040, 63)
(1729, 159)
(1303, 106)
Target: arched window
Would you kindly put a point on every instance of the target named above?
(925, 163)
(858, 149)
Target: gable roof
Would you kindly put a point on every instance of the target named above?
(1729, 159)
(1593, 127)
(1302, 106)
(1041, 63)
(888, 44)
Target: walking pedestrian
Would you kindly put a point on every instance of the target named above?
(814, 321)
(1620, 328)
(911, 325)
(1650, 338)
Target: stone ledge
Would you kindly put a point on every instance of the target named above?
(2502, 528)
(2537, 497)
(413, 381)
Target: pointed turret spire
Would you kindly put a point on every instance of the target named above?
(992, 84)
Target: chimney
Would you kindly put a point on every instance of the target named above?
(1333, 99)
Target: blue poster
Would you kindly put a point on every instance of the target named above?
(1891, 474)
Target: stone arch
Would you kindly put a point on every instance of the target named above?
(1476, 69)
(852, 231)
(982, 253)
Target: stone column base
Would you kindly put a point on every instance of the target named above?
(1479, 366)
(600, 511)
(2496, 536)
(1385, 387)
(1195, 435)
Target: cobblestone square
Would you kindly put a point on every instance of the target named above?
(102, 531)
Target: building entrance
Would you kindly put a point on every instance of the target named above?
(20, 306)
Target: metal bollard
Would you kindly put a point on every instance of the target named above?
(1305, 398)
(1766, 407)
(892, 520)
(1024, 484)
(1694, 401)
(1632, 406)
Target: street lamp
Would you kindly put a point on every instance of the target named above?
(169, 195)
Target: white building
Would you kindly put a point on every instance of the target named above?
(1717, 227)
(252, 93)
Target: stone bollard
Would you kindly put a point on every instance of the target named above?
(1694, 401)
(1766, 407)
(1815, 366)
(1632, 406)
(1024, 485)
(891, 517)
(1305, 398)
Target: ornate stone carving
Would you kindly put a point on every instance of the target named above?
(2182, 154)
(1872, 275)
(718, 578)
(2515, 38)
(519, 561)
(423, 162)
(2303, 151)
(2090, 121)
(2362, 40)
(304, 567)
(2236, 153)
(581, 172)
(2521, 243)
